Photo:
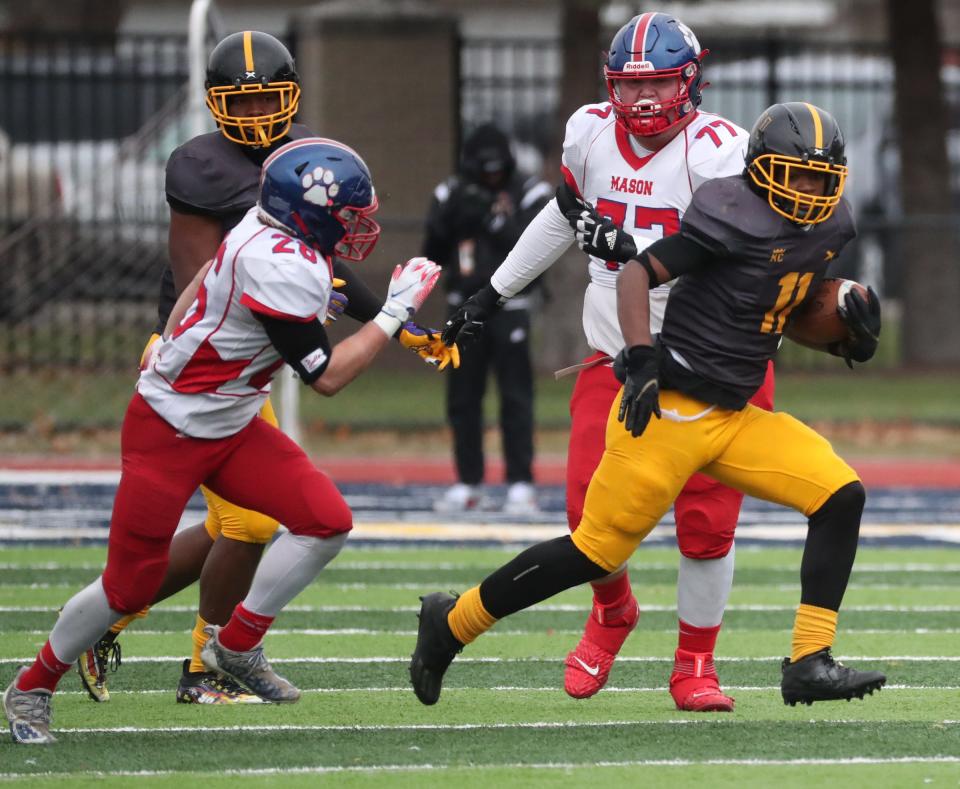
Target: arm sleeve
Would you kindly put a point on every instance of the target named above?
(362, 303)
(544, 240)
(679, 255)
(304, 346)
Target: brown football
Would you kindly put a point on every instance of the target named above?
(818, 322)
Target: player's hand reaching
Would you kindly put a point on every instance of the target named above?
(862, 316)
(637, 368)
(467, 322)
(599, 236)
(426, 343)
(410, 285)
(338, 302)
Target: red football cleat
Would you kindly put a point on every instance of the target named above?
(694, 684)
(588, 666)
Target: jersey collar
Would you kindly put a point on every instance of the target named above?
(626, 149)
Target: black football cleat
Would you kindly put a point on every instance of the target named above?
(436, 647)
(818, 677)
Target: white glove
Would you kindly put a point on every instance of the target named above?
(409, 287)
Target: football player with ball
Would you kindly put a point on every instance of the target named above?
(752, 250)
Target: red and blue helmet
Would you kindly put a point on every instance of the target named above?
(655, 46)
(320, 191)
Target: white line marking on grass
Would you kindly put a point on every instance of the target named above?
(508, 689)
(654, 566)
(554, 608)
(620, 659)
(362, 631)
(410, 768)
(702, 722)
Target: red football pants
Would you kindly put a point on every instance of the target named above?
(258, 468)
(706, 512)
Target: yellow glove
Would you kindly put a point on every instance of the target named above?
(426, 343)
(338, 302)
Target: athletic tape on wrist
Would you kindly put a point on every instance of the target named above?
(388, 324)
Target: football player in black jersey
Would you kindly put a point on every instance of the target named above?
(751, 249)
(212, 180)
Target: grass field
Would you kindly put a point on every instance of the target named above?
(503, 718)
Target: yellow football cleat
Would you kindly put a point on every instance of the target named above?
(92, 667)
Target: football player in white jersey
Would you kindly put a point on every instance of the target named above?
(635, 161)
(194, 418)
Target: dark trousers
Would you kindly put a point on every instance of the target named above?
(503, 344)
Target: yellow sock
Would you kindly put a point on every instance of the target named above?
(199, 639)
(468, 618)
(120, 626)
(813, 629)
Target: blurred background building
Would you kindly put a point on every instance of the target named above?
(94, 96)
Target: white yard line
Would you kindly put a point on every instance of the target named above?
(702, 722)
(413, 768)
(511, 689)
(461, 660)
(550, 608)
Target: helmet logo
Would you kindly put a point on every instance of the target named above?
(688, 36)
(638, 65)
(250, 75)
(319, 186)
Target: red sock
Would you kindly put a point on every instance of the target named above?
(613, 594)
(45, 672)
(244, 630)
(697, 639)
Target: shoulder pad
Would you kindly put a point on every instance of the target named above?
(582, 129)
(716, 148)
(726, 211)
(276, 280)
(211, 173)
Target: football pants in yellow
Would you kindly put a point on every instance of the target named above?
(768, 455)
(222, 516)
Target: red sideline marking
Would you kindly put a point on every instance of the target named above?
(547, 471)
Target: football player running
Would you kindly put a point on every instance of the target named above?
(253, 94)
(752, 248)
(638, 159)
(194, 418)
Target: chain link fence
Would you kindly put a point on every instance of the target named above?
(87, 123)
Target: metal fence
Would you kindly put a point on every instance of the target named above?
(86, 125)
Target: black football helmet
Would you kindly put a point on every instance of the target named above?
(243, 64)
(796, 137)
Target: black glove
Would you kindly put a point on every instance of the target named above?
(636, 368)
(600, 237)
(467, 322)
(862, 317)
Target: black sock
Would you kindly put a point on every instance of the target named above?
(831, 547)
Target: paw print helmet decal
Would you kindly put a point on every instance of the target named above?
(320, 191)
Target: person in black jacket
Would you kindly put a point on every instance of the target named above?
(475, 218)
